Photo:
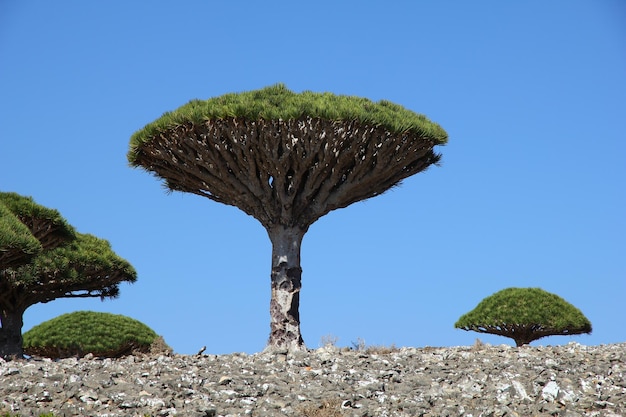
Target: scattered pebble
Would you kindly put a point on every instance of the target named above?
(489, 381)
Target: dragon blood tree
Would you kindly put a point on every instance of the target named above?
(525, 315)
(65, 264)
(286, 159)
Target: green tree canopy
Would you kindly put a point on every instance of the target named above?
(86, 267)
(277, 102)
(45, 224)
(525, 315)
(83, 332)
(17, 244)
(286, 159)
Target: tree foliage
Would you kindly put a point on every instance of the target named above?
(83, 332)
(277, 102)
(525, 315)
(45, 224)
(17, 244)
(286, 158)
(26, 228)
(85, 267)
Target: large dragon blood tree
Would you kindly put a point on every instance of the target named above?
(286, 159)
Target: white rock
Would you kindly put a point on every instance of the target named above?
(551, 391)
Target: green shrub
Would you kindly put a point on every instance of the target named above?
(83, 332)
(525, 314)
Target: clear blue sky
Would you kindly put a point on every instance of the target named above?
(530, 192)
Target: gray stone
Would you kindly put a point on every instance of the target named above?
(488, 381)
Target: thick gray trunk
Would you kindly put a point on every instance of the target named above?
(286, 284)
(11, 335)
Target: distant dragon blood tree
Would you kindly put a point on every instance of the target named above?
(58, 263)
(525, 315)
(286, 159)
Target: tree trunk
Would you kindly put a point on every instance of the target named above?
(286, 284)
(11, 334)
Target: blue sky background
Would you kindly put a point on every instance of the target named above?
(530, 192)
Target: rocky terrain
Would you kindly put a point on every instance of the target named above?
(482, 380)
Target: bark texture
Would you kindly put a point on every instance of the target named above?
(286, 282)
(11, 323)
(286, 174)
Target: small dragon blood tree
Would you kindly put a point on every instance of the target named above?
(286, 159)
(525, 315)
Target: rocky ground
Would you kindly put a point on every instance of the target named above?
(482, 380)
